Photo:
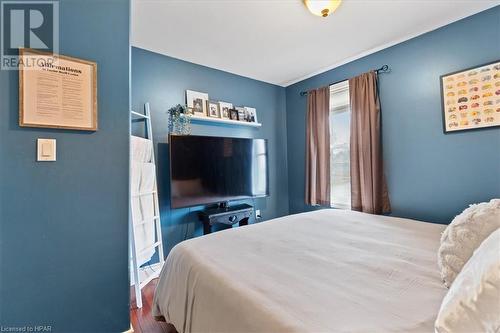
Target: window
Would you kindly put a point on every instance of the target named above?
(340, 122)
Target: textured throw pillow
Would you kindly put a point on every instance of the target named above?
(473, 302)
(464, 235)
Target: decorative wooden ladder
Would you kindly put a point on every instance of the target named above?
(142, 276)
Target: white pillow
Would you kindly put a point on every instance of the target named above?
(464, 235)
(473, 302)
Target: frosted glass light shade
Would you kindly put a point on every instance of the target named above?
(322, 7)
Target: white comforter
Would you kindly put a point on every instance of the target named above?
(324, 271)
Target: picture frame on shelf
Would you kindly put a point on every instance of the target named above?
(197, 102)
(234, 114)
(224, 108)
(213, 109)
(241, 113)
(251, 114)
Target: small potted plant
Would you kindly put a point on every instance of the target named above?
(179, 120)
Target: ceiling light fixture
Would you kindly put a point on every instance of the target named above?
(322, 7)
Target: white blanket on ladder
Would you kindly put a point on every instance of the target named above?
(142, 180)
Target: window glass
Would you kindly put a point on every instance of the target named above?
(340, 122)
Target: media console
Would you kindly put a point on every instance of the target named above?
(225, 215)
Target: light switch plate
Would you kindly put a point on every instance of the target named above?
(46, 150)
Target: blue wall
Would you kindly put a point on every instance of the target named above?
(431, 176)
(162, 81)
(64, 233)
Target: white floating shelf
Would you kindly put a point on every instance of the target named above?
(225, 121)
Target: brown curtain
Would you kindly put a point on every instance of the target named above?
(368, 186)
(318, 147)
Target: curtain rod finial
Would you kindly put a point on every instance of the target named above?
(384, 69)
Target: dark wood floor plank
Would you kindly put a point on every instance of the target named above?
(142, 319)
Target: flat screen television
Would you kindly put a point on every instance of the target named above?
(206, 169)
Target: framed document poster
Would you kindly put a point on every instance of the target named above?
(471, 98)
(56, 91)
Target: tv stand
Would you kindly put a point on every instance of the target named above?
(225, 214)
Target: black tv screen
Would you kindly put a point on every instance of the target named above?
(205, 169)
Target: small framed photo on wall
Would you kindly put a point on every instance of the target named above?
(213, 109)
(197, 102)
(470, 98)
(224, 108)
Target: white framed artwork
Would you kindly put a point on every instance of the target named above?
(224, 108)
(251, 114)
(197, 102)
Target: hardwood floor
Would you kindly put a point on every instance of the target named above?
(142, 320)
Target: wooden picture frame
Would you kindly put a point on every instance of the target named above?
(68, 86)
(470, 98)
(213, 109)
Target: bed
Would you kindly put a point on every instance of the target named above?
(323, 271)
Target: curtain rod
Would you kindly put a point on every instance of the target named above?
(383, 69)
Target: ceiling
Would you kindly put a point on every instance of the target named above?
(279, 41)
